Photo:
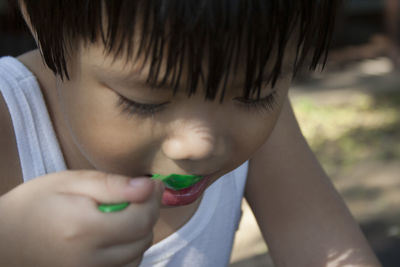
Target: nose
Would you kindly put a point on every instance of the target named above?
(192, 142)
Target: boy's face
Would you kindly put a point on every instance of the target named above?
(165, 133)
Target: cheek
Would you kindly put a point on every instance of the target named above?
(106, 138)
(252, 135)
(247, 137)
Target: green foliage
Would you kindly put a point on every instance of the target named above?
(342, 133)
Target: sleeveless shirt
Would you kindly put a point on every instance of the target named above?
(205, 240)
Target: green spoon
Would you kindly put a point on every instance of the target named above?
(178, 181)
(107, 208)
(172, 181)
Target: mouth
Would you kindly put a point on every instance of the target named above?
(186, 195)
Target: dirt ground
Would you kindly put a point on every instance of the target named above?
(361, 155)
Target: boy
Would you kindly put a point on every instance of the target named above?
(133, 88)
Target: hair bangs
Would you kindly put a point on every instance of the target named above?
(205, 40)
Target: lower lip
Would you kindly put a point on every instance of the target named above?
(184, 196)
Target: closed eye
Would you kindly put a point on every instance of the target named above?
(131, 107)
(263, 104)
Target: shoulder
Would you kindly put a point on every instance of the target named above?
(10, 170)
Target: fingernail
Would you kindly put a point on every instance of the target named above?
(139, 182)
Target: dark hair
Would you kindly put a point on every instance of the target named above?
(176, 31)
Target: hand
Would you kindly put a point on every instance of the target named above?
(53, 220)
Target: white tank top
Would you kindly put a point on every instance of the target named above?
(205, 240)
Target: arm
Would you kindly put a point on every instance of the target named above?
(301, 216)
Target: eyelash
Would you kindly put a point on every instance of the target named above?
(265, 104)
(134, 108)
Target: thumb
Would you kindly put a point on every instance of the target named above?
(110, 188)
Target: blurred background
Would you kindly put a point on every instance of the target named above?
(349, 114)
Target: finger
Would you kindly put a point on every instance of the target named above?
(125, 254)
(106, 187)
(136, 221)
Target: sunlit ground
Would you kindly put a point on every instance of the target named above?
(351, 120)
